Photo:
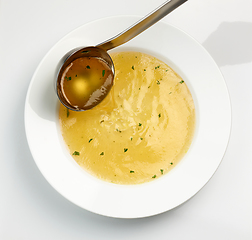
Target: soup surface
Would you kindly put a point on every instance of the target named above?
(141, 129)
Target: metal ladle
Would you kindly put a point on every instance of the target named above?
(100, 52)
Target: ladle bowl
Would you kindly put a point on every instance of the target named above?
(97, 96)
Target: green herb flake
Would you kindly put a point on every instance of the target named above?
(85, 51)
(133, 67)
(162, 171)
(68, 78)
(181, 81)
(145, 70)
(154, 176)
(125, 149)
(131, 171)
(102, 153)
(159, 115)
(157, 67)
(76, 153)
(76, 75)
(167, 70)
(88, 67)
(171, 163)
(103, 73)
(118, 130)
(90, 140)
(170, 92)
(68, 112)
(139, 124)
(131, 138)
(141, 138)
(158, 82)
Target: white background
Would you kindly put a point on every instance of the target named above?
(31, 209)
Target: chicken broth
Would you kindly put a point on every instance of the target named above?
(84, 81)
(141, 130)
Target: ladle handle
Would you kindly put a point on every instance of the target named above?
(141, 25)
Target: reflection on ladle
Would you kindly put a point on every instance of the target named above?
(86, 75)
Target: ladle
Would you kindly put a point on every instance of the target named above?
(93, 95)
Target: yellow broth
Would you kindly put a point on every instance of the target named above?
(141, 130)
